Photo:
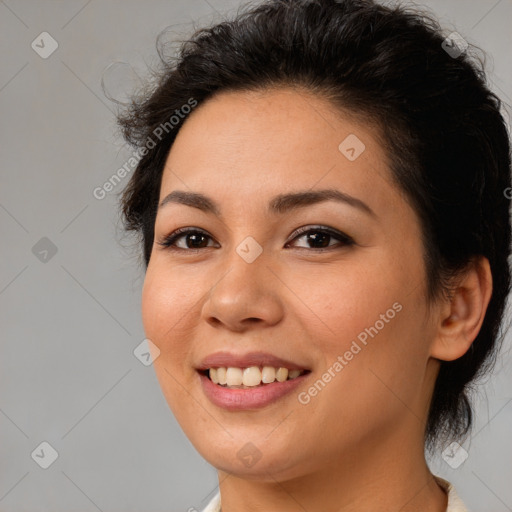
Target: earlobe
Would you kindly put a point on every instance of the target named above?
(460, 318)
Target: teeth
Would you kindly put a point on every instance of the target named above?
(234, 376)
(221, 376)
(252, 376)
(268, 374)
(282, 374)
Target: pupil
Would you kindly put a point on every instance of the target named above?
(194, 238)
(322, 238)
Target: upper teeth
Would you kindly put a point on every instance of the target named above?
(252, 376)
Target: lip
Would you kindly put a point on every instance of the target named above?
(227, 359)
(234, 399)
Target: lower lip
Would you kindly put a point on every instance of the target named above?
(236, 399)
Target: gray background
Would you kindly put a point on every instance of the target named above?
(70, 323)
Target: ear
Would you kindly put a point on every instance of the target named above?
(461, 317)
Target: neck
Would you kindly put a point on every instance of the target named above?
(379, 477)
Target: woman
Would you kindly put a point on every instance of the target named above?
(320, 199)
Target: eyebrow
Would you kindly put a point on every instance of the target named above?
(280, 204)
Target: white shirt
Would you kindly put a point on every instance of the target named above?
(454, 502)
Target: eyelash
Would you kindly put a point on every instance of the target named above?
(169, 241)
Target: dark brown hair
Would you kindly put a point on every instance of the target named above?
(447, 143)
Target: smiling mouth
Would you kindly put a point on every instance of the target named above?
(251, 377)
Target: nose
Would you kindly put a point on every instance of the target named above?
(245, 297)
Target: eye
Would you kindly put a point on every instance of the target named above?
(194, 239)
(321, 237)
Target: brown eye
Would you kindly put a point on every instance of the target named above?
(194, 239)
(321, 238)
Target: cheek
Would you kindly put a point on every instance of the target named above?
(167, 306)
(372, 319)
(349, 300)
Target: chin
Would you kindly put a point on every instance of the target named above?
(261, 460)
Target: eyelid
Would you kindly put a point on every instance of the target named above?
(326, 229)
(167, 242)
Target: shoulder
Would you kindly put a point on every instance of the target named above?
(214, 504)
(455, 504)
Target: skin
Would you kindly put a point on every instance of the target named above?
(358, 444)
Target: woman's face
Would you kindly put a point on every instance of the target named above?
(344, 299)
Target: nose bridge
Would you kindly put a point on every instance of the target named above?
(245, 272)
(246, 260)
(246, 290)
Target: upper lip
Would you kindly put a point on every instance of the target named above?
(226, 359)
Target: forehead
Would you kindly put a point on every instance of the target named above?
(262, 142)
